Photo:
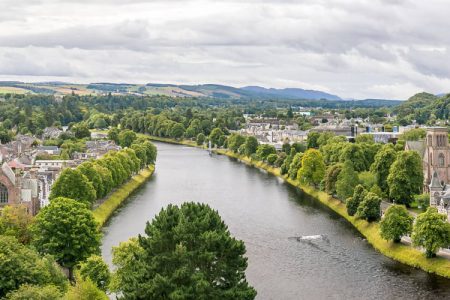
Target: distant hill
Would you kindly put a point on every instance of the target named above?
(289, 93)
(423, 106)
(217, 91)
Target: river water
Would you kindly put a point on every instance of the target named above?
(266, 213)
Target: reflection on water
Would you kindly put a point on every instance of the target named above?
(266, 213)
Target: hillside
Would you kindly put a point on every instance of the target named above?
(202, 90)
(424, 107)
(290, 93)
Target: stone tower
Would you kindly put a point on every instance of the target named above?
(437, 155)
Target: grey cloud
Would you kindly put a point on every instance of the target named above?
(351, 47)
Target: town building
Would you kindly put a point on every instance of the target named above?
(435, 153)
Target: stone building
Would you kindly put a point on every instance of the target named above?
(435, 153)
(18, 188)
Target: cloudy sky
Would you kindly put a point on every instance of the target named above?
(355, 49)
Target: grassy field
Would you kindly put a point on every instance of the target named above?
(13, 90)
(399, 252)
(114, 200)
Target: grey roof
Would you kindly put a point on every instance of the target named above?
(435, 181)
(53, 148)
(418, 146)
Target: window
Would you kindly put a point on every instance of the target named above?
(441, 160)
(3, 194)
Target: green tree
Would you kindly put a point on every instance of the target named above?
(235, 141)
(384, 159)
(215, 135)
(405, 177)
(128, 257)
(364, 138)
(177, 131)
(311, 141)
(107, 181)
(367, 179)
(396, 223)
(15, 220)
(295, 165)
(346, 181)
(126, 138)
(272, 158)
(67, 230)
(87, 169)
(200, 139)
(369, 208)
(81, 131)
(72, 184)
(188, 253)
(355, 154)
(331, 176)
(431, 231)
(35, 292)
(113, 134)
(22, 265)
(250, 145)
(85, 290)
(353, 202)
(96, 270)
(152, 152)
(312, 170)
(265, 150)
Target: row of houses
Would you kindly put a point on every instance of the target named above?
(27, 180)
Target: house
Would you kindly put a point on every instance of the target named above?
(51, 133)
(18, 188)
(51, 150)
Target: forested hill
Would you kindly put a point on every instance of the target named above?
(423, 108)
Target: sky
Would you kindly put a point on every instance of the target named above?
(358, 49)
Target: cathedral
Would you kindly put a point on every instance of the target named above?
(435, 152)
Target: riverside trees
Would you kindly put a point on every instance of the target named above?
(405, 177)
(431, 231)
(187, 252)
(66, 229)
(396, 223)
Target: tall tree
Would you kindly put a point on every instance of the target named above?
(405, 177)
(353, 202)
(250, 145)
(346, 182)
(72, 184)
(126, 138)
(67, 230)
(369, 209)
(215, 135)
(384, 159)
(15, 220)
(431, 231)
(188, 253)
(313, 167)
(396, 223)
(96, 270)
(87, 169)
(22, 265)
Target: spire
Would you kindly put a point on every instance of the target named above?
(435, 181)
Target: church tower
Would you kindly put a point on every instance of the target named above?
(437, 155)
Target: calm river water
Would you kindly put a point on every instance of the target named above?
(265, 212)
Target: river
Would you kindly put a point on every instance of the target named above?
(265, 212)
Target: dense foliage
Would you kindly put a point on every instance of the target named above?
(187, 252)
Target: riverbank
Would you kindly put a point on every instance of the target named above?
(105, 210)
(402, 253)
(399, 252)
(173, 141)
